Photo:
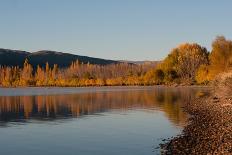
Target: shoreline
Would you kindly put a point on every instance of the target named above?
(17, 91)
(106, 86)
(209, 128)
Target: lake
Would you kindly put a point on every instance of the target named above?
(90, 121)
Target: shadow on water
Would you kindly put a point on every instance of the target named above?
(22, 109)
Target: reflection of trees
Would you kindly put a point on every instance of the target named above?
(75, 105)
(171, 102)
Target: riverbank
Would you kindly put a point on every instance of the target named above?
(17, 91)
(210, 126)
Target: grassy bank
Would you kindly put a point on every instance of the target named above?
(210, 126)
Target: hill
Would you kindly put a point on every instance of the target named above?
(16, 58)
(12, 57)
(141, 62)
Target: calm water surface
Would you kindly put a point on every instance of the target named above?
(90, 121)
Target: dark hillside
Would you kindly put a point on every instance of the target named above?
(12, 57)
(16, 58)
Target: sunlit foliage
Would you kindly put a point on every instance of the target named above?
(189, 63)
(221, 56)
(183, 62)
(78, 74)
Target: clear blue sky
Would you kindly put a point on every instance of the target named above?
(112, 29)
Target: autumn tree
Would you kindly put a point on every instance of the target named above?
(54, 73)
(1, 75)
(220, 56)
(159, 76)
(15, 76)
(148, 78)
(47, 73)
(40, 76)
(7, 77)
(26, 77)
(202, 75)
(185, 61)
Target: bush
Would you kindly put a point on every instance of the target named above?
(202, 75)
(159, 76)
(170, 76)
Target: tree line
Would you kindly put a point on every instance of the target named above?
(77, 74)
(189, 63)
(193, 64)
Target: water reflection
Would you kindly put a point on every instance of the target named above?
(53, 107)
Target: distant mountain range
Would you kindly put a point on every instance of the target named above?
(16, 58)
(140, 62)
(10, 57)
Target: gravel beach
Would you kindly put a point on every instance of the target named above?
(209, 130)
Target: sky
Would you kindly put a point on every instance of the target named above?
(112, 29)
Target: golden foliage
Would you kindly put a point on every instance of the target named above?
(220, 57)
(183, 62)
(78, 74)
(202, 75)
(187, 63)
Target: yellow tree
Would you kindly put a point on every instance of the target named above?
(185, 61)
(7, 80)
(202, 75)
(54, 74)
(15, 76)
(40, 76)
(47, 74)
(220, 56)
(26, 77)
